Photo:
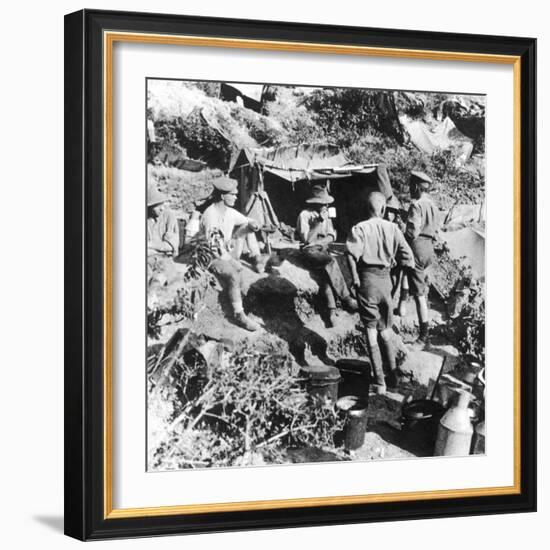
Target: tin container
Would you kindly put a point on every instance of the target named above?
(355, 409)
(420, 421)
(355, 377)
(322, 381)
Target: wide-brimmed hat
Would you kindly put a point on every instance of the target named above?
(319, 195)
(421, 179)
(225, 184)
(155, 197)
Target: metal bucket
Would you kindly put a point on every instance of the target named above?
(420, 420)
(322, 382)
(355, 409)
(355, 376)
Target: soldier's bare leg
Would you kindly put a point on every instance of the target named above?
(379, 384)
(230, 279)
(403, 295)
(245, 239)
(422, 311)
(388, 353)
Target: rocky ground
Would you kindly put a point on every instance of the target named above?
(283, 300)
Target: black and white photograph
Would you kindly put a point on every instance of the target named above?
(315, 274)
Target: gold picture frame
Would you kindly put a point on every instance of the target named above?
(101, 31)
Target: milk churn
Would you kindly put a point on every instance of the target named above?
(454, 435)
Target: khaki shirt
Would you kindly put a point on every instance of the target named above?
(379, 242)
(161, 230)
(224, 219)
(423, 219)
(307, 220)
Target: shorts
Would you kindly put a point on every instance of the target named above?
(228, 273)
(419, 280)
(374, 297)
(316, 256)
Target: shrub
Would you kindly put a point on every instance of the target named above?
(189, 296)
(201, 141)
(211, 89)
(265, 131)
(457, 183)
(296, 121)
(467, 329)
(446, 271)
(248, 408)
(347, 114)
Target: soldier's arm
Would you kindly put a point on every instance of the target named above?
(354, 250)
(331, 231)
(404, 255)
(352, 263)
(310, 230)
(313, 236)
(322, 231)
(302, 228)
(171, 234)
(412, 229)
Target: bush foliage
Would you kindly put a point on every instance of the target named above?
(467, 329)
(246, 408)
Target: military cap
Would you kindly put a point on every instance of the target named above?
(421, 179)
(225, 184)
(155, 197)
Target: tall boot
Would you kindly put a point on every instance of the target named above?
(400, 309)
(241, 320)
(423, 332)
(379, 384)
(388, 353)
(259, 262)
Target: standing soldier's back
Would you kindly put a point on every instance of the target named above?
(423, 219)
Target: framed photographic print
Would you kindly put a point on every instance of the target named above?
(300, 274)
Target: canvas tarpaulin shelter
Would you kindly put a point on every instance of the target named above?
(287, 173)
(464, 215)
(468, 243)
(467, 113)
(442, 136)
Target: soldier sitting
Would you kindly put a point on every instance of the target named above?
(226, 230)
(314, 229)
(162, 235)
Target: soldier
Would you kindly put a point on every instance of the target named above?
(226, 230)
(162, 226)
(314, 229)
(162, 238)
(373, 247)
(421, 232)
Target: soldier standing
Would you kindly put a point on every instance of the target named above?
(421, 232)
(374, 246)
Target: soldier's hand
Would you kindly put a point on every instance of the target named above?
(253, 225)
